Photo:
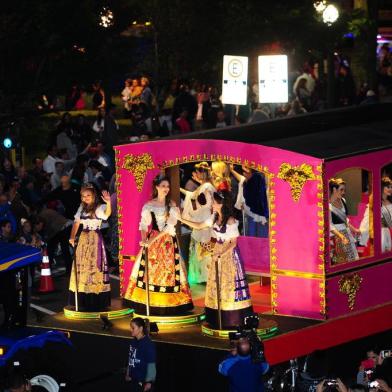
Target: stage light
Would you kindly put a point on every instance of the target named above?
(7, 142)
(2, 351)
(330, 14)
(106, 18)
(320, 6)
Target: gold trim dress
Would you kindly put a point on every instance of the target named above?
(338, 220)
(91, 264)
(170, 294)
(199, 252)
(235, 297)
(386, 228)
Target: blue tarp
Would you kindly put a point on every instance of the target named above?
(18, 340)
(14, 255)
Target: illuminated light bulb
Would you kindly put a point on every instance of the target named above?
(330, 14)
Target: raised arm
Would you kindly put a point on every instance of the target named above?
(236, 175)
(196, 225)
(108, 209)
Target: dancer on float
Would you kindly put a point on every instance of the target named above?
(197, 208)
(343, 247)
(235, 301)
(90, 276)
(386, 214)
(169, 292)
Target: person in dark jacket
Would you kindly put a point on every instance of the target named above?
(141, 370)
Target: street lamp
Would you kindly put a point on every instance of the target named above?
(330, 15)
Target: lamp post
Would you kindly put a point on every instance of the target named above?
(329, 15)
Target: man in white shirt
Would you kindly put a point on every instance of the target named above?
(51, 159)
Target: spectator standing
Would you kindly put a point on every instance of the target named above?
(72, 97)
(79, 174)
(136, 91)
(146, 96)
(141, 370)
(221, 119)
(38, 173)
(59, 171)
(102, 157)
(182, 123)
(126, 95)
(243, 373)
(110, 133)
(345, 86)
(97, 177)
(99, 124)
(7, 170)
(185, 101)
(50, 160)
(307, 74)
(302, 94)
(99, 98)
(82, 132)
(68, 194)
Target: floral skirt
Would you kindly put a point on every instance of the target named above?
(342, 253)
(93, 285)
(235, 301)
(169, 292)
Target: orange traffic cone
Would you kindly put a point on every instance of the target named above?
(46, 283)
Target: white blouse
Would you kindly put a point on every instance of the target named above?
(165, 223)
(230, 232)
(91, 223)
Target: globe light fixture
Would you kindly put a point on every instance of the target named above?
(320, 6)
(7, 143)
(330, 14)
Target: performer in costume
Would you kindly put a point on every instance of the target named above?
(386, 214)
(169, 290)
(235, 301)
(90, 266)
(252, 199)
(197, 208)
(343, 247)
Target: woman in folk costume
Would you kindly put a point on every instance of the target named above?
(235, 301)
(197, 208)
(386, 214)
(252, 200)
(90, 275)
(167, 281)
(343, 247)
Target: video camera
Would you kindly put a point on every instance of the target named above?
(248, 330)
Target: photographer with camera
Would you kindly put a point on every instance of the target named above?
(243, 368)
(368, 366)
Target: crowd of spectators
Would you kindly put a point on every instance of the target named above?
(37, 206)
